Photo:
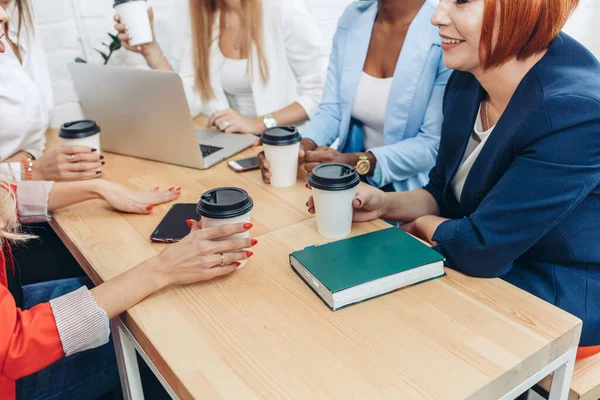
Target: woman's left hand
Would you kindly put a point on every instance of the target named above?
(231, 122)
(424, 227)
(133, 201)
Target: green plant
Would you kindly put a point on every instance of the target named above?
(114, 45)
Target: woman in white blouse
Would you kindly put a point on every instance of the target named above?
(25, 105)
(255, 63)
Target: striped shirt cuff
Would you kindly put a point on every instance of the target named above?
(32, 201)
(81, 323)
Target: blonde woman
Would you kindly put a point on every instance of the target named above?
(25, 105)
(254, 63)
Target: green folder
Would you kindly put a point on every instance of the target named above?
(367, 266)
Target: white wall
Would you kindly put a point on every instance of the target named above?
(71, 28)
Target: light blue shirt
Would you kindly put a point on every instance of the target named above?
(414, 111)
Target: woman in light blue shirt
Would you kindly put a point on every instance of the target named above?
(383, 97)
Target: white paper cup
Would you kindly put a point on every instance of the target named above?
(333, 190)
(224, 206)
(281, 145)
(81, 133)
(134, 14)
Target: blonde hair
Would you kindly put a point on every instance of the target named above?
(9, 223)
(203, 13)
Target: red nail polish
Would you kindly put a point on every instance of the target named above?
(171, 188)
(94, 150)
(237, 264)
(248, 226)
(178, 189)
(156, 188)
(190, 222)
(102, 157)
(253, 242)
(103, 162)
(150, 207)
(249, 254)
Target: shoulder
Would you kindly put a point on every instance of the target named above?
(355, 11)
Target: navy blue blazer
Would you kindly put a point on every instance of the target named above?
(530, 208)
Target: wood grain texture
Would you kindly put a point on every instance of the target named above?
(586, 380)
(262, 333)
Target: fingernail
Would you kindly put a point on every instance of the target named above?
(359, 202)
(102, 157)
(190, 222)
(103, 163)
(178, 189)
(150, 207)
(98, 172)
(94, 150)
(156, 188)
(171, 188)
(238, 264)
(247, 226)
(253, 242)
(249, 254)
(306, 186)
(129, 37)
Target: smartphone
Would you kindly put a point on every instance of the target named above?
(246, 164)
(173, 227)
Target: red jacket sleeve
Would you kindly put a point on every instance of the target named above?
(29, 340)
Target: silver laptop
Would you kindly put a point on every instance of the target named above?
(145, 114)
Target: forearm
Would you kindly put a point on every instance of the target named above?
(64, 194)
(119, 294)
(294, 114)
(408, 206)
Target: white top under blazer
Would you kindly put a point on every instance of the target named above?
(296, 56)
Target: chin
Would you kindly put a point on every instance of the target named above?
(455, 63)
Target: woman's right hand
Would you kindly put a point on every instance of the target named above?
(369, 204)
(265, 166)
(70, 163)
(197, 257)
(150, 51)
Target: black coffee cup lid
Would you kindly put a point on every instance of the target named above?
(281, 136)
(333, 177)
(223, 203)
(119, 2)
(78, 129)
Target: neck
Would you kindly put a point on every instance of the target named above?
(501, 82)
(232, 6)
(398, 12)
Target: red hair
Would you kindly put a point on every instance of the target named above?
(526, 27)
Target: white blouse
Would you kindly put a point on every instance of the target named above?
(370, 106)
(25, 96)
(478, 139)
(238, 87)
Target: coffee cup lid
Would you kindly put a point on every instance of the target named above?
(119, 2)
(223, 203)
(333, 177)
(281, 136)
(78, 129)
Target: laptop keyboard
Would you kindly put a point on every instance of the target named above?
(208, 150)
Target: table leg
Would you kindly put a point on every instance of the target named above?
(561, 380)
(129, 371)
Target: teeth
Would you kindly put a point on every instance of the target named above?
(451, 41)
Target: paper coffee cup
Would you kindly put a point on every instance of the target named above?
(333, 190)
(81, 133)
(134, 14)
(281, 145)
(223, 206)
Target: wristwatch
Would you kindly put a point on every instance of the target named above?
(363, 165)
(270, 121)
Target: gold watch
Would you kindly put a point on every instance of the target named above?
(363, 165)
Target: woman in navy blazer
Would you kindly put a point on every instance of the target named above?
(526, 207)
(383, 96)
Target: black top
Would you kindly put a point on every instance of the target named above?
(78, 129)
(281, 136)
(333, 177)
(119, 2)
(223, 203)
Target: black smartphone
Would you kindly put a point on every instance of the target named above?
(245, 164)
(173, 227)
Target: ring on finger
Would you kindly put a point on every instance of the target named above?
(225, 124)
(222, 260)
(70, 158)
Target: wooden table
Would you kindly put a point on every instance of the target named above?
(262, 333)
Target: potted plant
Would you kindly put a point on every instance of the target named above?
(114, 45)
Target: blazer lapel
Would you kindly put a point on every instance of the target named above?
(408, 71)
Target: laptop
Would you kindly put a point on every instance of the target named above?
(145, 114)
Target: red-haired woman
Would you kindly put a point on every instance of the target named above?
(515, 192)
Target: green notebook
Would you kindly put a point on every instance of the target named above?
(352, 270)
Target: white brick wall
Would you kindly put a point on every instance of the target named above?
(71, 28)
